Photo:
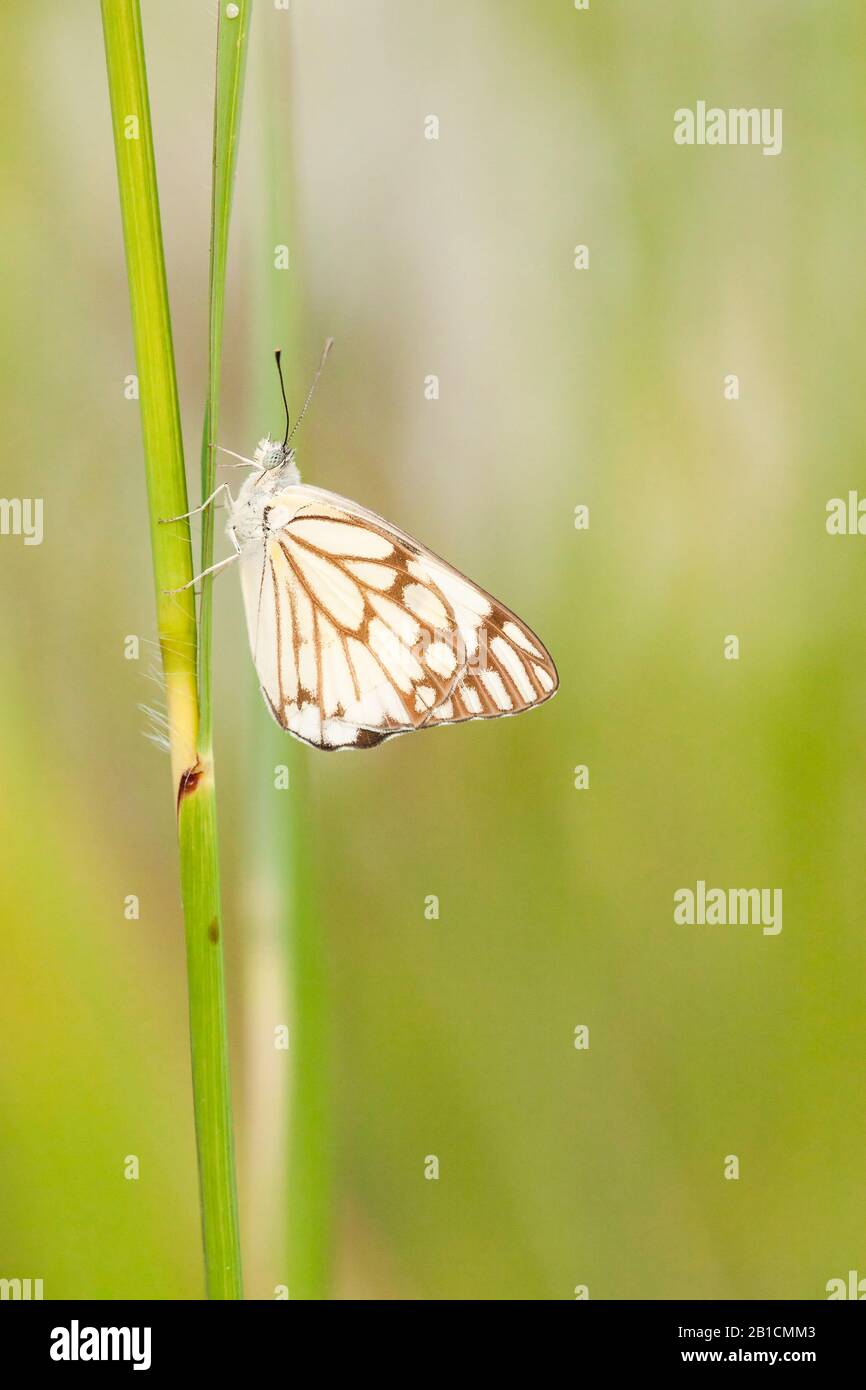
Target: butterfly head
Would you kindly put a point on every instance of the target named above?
(271, 454)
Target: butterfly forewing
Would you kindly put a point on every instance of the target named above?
(358, 632)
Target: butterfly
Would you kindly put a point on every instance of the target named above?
(358, 632)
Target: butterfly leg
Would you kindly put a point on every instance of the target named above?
(223, 487)
(243, 460)
(212, 569)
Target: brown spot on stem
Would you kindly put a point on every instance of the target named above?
(213, 931)
(189, 780)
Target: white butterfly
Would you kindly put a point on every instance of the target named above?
(357, 631)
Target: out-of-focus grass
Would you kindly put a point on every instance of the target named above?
(291, 1114)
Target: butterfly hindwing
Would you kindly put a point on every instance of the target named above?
(360, 633)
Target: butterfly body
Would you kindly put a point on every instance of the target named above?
(249, 518)
(358, 631)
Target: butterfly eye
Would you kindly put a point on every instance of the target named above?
(278, 456)
(270, 455)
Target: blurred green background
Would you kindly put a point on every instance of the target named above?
(455, 1037)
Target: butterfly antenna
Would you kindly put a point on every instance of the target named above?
(278, 354)
(328, 345)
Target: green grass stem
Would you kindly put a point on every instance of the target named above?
(192, 767)
(232, 46)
